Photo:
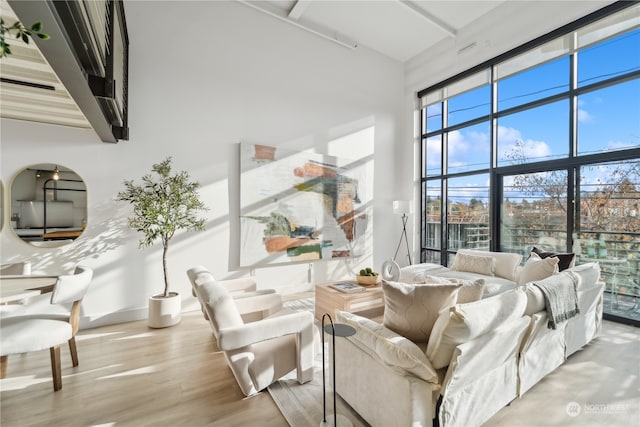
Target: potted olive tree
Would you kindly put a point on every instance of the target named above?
(162, 205)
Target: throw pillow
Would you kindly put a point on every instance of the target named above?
(411, 310)
(537, 268)
(474, 263)
(567, 260)
(464, 322)
(470, 291)
(506, 263)
(392, 349)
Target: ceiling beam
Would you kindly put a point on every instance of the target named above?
(298, 9)
(433, 20)
(311, 27)
(59, 53)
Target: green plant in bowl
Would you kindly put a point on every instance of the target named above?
(367, 277)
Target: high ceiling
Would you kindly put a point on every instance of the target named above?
(31, 90)
(400, 29)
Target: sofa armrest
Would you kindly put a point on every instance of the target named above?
(474, 358)
(482, 376)
(250, 333)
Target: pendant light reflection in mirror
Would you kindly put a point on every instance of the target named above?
(48, 205)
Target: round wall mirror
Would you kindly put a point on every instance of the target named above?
(48, 205)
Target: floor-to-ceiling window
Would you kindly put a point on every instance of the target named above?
(541, 147)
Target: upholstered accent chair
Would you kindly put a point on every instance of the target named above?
(240, 288)
(261, 351)
(37, 326)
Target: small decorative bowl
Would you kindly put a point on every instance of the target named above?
(367, 280)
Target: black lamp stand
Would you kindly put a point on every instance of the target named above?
(340, 330)
(405, 217)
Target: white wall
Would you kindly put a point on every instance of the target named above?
(203, 77)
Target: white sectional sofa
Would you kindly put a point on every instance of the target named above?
(478, 357)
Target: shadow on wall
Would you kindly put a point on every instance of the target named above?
(106, 231)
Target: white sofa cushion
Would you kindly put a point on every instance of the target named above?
(506, 263)
(464, 322)
(470, 291)
(473, 263)
(415, 273)
(537, 268)
(411, 309)
(492, 284)
(395, 351)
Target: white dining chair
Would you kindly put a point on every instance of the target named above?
(38, 327)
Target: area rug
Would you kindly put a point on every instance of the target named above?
(301, 404)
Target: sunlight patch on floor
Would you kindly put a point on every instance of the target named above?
(91, 371)
(140, 371)
(87, 336)
(20, 383)
(137, 336)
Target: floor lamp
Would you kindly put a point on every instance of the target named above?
(336, 330)
(403, 207)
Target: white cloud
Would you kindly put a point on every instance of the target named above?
(457, 144)
(434, 152)
(510, 134)
(532, 149)
(584, 116)
(468, 148)
(620, 145)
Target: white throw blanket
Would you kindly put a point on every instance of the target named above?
(560, 298)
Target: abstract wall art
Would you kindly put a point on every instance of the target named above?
(299, 206)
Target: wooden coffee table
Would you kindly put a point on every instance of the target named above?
(369, 303)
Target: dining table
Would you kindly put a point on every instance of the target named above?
(16, 287)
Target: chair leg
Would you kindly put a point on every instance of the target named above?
(56, 371)
(74, 351)
(3, 366)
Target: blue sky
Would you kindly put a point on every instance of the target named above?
(608, 118)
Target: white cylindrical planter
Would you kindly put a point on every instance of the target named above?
(164, 311)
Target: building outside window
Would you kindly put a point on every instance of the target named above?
(541, 147)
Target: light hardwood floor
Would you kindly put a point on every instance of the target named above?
(130, 375)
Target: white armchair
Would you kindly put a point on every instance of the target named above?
(260, 352)
(35, 327)
(240, 288)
